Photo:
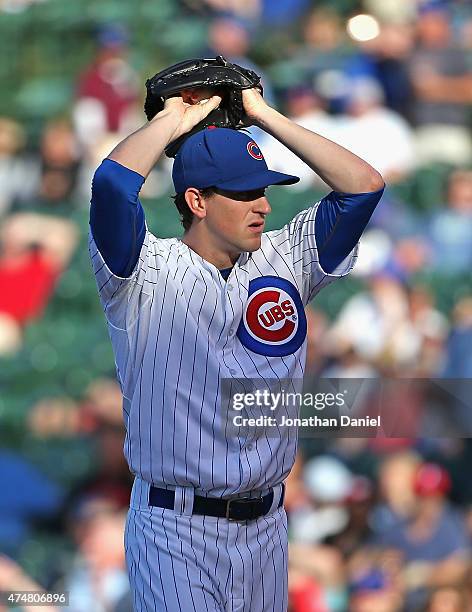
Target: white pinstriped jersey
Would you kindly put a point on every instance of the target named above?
(177, 327)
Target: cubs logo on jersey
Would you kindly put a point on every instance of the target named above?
(273, 321)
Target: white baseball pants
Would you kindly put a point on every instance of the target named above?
(183, 563)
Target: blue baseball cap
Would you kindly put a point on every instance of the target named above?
(224, 158)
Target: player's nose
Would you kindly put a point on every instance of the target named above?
(261, 205)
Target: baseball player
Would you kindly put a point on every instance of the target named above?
(206, 528)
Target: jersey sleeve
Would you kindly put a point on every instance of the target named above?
(322, 241)
(117, 219)
(121, 249)
(340, 220)
(116, 291)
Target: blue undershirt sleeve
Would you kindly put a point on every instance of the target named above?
(340, 220)
(117, 218)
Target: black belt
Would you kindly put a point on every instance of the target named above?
(239, 509)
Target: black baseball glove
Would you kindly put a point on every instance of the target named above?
(227, 79)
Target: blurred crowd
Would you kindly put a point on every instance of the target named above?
(377, 531)
(376, 525)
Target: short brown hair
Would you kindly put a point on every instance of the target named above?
(186, 215)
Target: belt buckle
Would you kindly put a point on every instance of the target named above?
(228, 510)
(241, 500)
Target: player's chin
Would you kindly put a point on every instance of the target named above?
(253, 243)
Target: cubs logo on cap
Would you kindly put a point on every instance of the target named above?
(254, 150)
(273, 321)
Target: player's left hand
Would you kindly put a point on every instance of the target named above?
(254, 105)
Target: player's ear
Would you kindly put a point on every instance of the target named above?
(196, 202)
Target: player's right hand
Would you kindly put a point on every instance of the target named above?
(254, 105)
(190, 113)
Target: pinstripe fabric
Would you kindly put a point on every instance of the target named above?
(173, 326)
(177, 562)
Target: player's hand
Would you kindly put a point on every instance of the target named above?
(254, 105)
(190, 110)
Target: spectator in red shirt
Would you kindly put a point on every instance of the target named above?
(110, 79)
(33, 251)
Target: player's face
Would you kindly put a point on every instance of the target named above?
(235, 220)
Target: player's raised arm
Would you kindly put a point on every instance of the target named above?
(116, 215)
(343, 171)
